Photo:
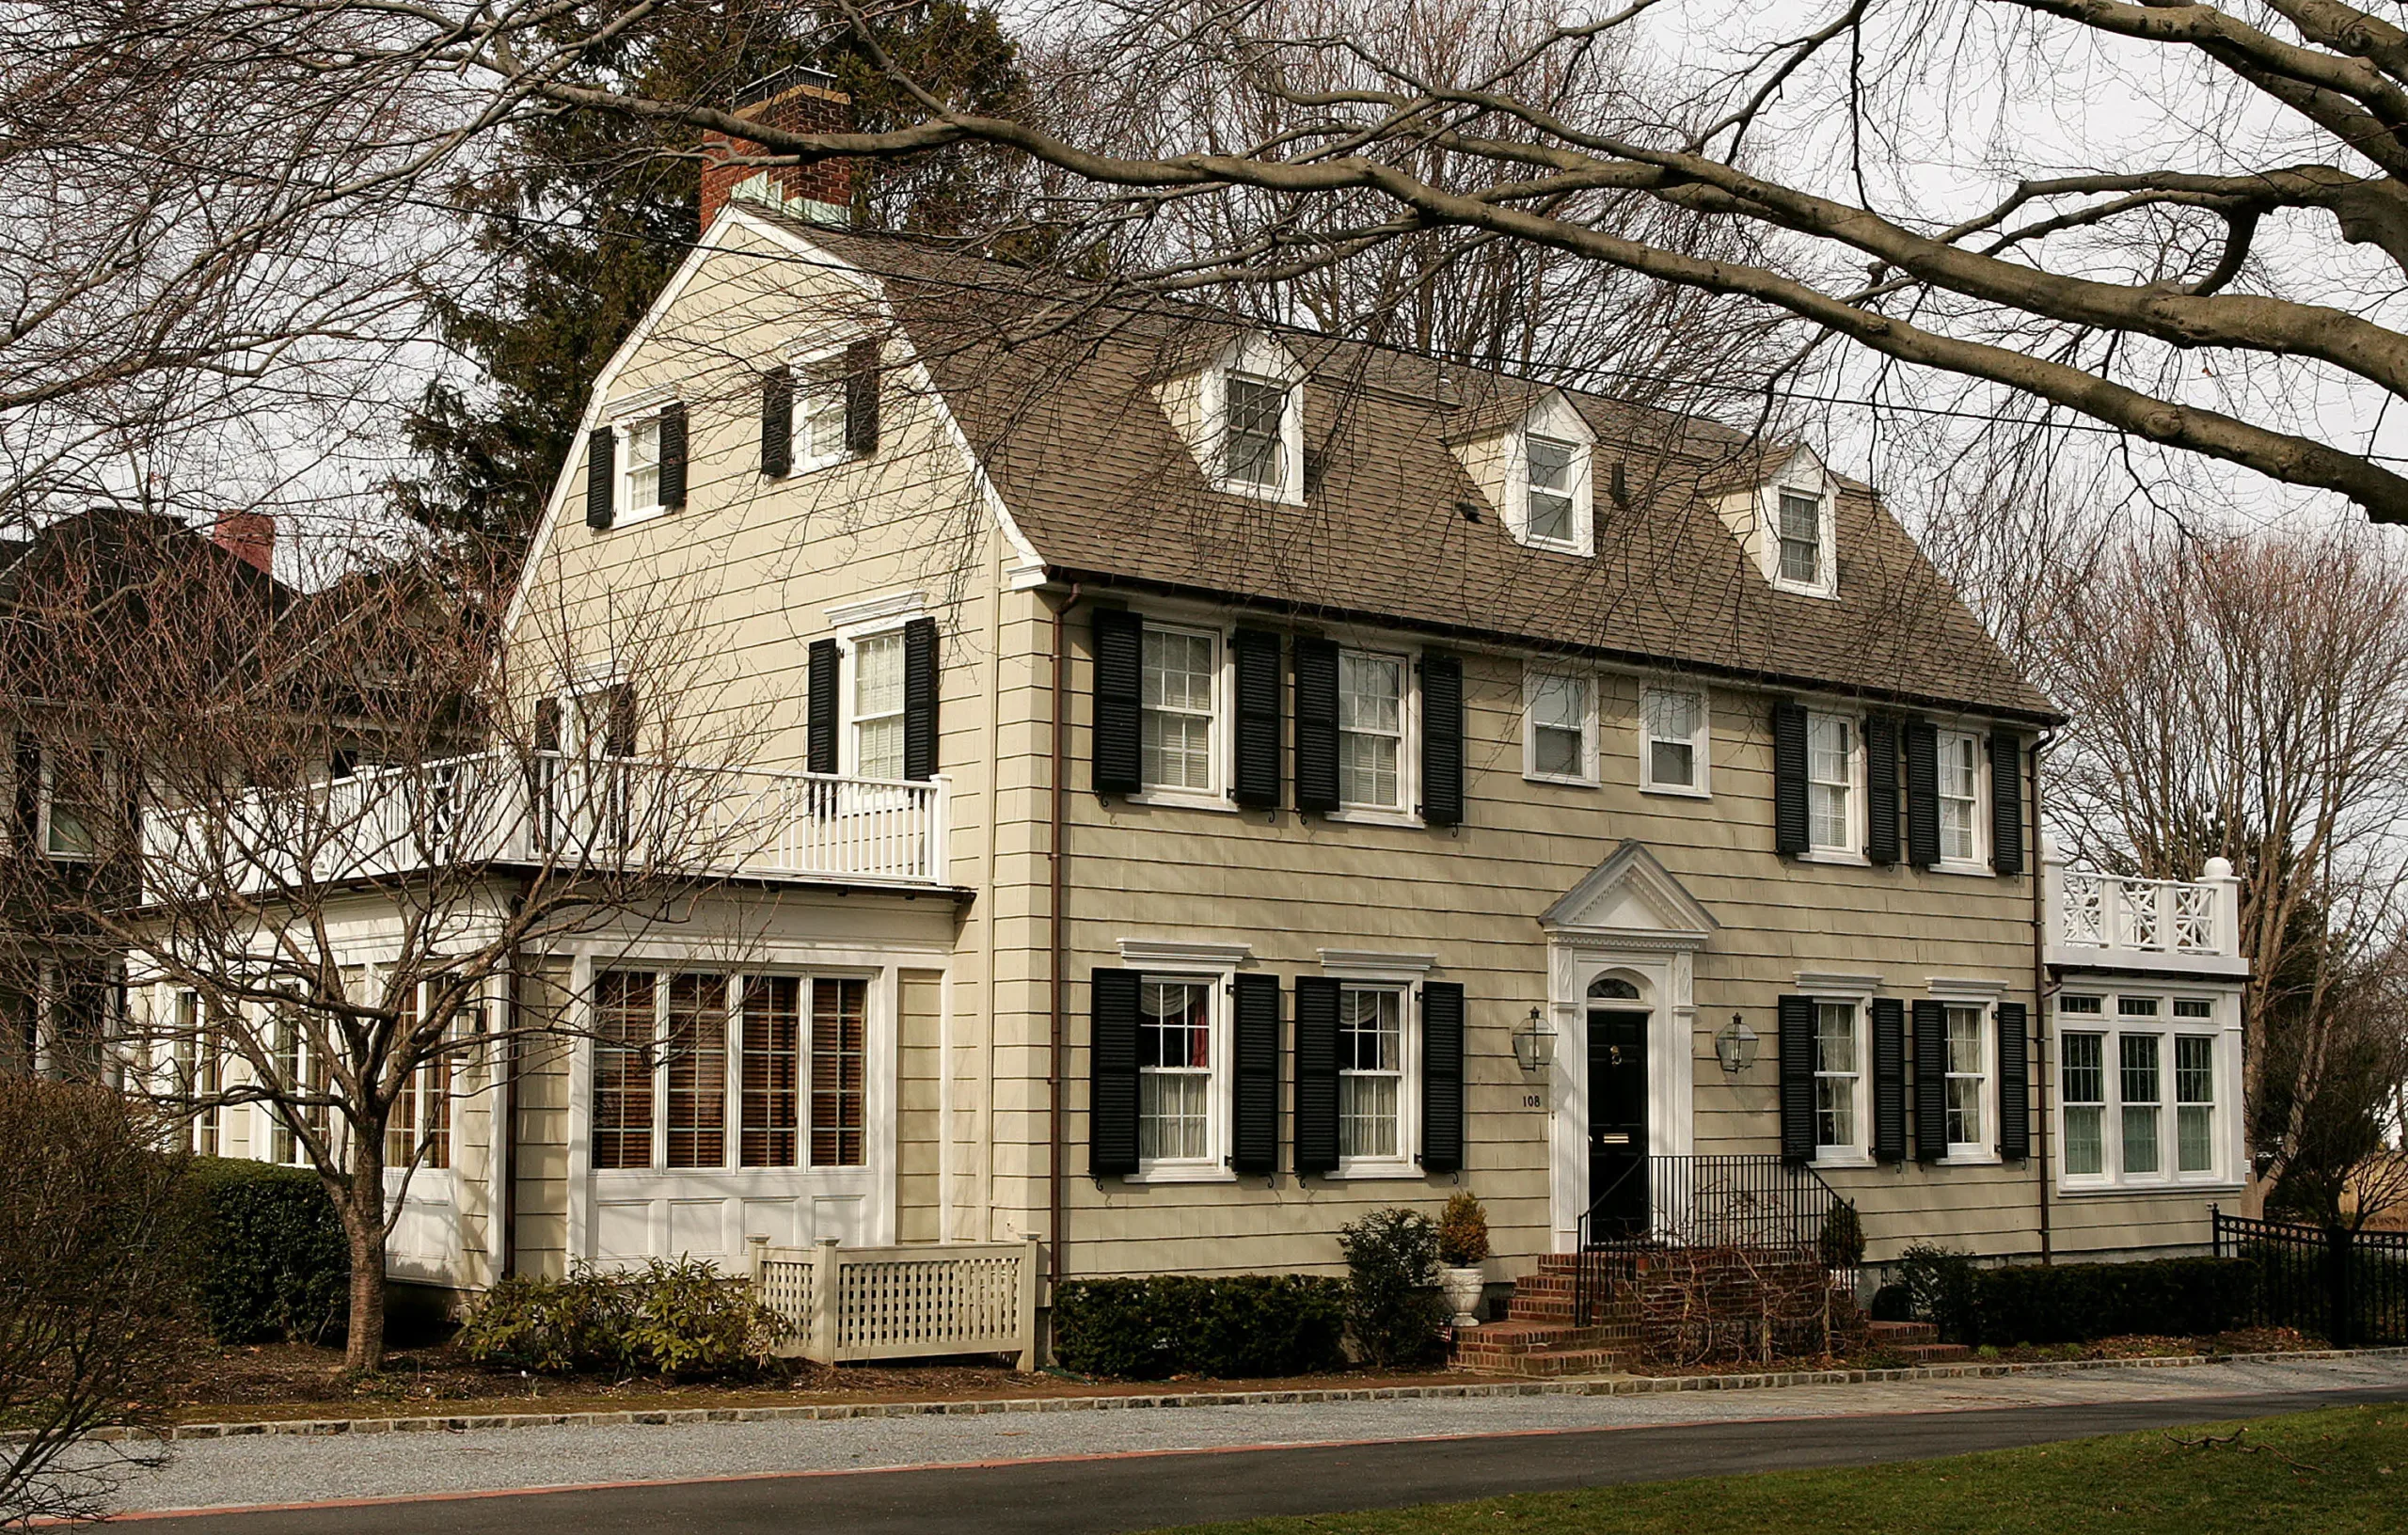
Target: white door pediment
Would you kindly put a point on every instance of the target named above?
(1632, 899)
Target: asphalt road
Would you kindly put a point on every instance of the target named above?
(1146, 1490)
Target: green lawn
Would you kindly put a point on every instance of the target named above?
(2131, 1484)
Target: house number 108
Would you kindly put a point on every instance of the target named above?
(1533, 1100)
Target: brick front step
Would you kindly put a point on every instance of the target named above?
(1546, 1363)
(1900, 1334)
(1521, 1337)
(1929, 1353)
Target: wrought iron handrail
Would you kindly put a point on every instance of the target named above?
(1757, 1201)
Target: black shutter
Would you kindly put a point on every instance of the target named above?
(1316, 725)
(2014, 1082)
(861, 399)
(1316, 1074)
(1442, 739)
(1442, 1076)
(1789, 779)
(1932, 1079)
(1255, 1136)
(28, 806)
(820, 735)
(1888, 1079)
(1112, 1073)
(1881, 789)
(1797, 1016)
(920, 699)
(1259, 718)
(2006, 802)
(1119, 697)
(777, 422)
(1923, 793)
(601, 472)
(673, 454)
(619, 721)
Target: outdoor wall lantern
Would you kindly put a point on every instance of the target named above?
(1534, 1042)
(1735, 1046)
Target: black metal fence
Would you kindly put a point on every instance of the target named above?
(1758, 1202)
(2350, 1287)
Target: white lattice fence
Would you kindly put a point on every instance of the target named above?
(902, 1303)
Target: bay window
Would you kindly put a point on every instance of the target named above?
(2138, 1080)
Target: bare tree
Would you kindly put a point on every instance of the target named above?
(246, 787)
(2247, 698)
(92, 1273)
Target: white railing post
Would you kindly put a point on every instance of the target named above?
(1028, 1304)
(2218, 873)
(756, 1248)
(939, 832)
(827, 1304)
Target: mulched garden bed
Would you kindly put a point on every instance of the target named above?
(295, 1380)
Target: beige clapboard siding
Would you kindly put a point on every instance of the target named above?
(919, 1070)
(540, 1169)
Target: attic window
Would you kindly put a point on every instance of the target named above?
(1551, 503)
(1795, 539)
(1802, 538)
(1254, 432)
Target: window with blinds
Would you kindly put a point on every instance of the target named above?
(697, 1071)
(839, 1064)
(771, 1069)
(624, 1021)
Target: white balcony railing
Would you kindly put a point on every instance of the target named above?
(2117, 921)
(561, 810)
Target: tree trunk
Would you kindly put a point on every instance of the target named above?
(362, 1202)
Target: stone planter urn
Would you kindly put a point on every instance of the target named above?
(1463, 1287)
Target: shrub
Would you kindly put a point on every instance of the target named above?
(1893, 1303)
(2073, 1302)
(1244, 1325)
(1843, 1237)
(270, 1255)
(1463, 1232)
(1941, 1282)
(1391, 1309)
(673, 1318)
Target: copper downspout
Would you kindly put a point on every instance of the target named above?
(1058, 853)
(2040, 988)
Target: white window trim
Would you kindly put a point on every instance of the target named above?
(1405, 983)
(1700, 744)
(801, 365)
(2222, 1027)
(1222, 733)
(1584, 519)
(1532, 677)
(1853, 853)
(1406, 812)
(1860, 1152)
(1827, 559)
(1984, 1152)
(1980, 863)
(1257, 356)
(623, 416)
(1213, 1166)
(854, 623)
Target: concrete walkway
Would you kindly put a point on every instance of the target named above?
(291, 1470)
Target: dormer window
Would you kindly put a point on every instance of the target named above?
(1240, 408)
(1253, 445)
(1552, 503)
(1801, 537)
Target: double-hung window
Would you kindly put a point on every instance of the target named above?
(640, 465)
(1967, 1082)
(1831, 783)
(1802, 538)
(2195, 1090)
(1839, 1081)
(1179, 682)
(2140, 1095)
(1561, 742)
(1961, 821)
(200, 1068)
(1672, 748)
(75, 791)
(822, 422)
(1253, 431)
(1371, 731)
(1548, 516)
(877, 704)
(419, 1127)
(1176, 1061)
(1370, 1073)
(703, 1070)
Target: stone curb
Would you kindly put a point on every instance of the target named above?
(1605, 1385)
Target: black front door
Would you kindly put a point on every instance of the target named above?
(1617, 1125)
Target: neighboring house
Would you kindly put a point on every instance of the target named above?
(82, 600)
(1214, 783)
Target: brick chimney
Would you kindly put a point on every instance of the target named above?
(249, 536)
(801, 100)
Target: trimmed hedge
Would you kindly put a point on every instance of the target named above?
(2073, 1302)
(1238, 1327)
(270, 1257)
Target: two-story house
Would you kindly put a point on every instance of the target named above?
(1214, 782)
